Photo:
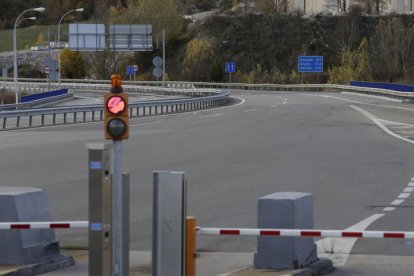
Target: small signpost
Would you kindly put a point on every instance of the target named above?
(157, 71)
(130, 71)
(230, 67)
(135, 71)
(310, 64)
(46, 70)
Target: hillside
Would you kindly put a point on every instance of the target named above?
(265, 46)
(10, 9)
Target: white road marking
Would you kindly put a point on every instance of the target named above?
(339, 249)
(250, 110)
(404, 195)
(234, 271)
(144, 124)
(276, 105)
(213, 115)
(397, 202)
(389, 209)
(408, 190)
(411, 184)
(378, 122)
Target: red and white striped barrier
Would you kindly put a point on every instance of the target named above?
(43, 225)
(304, 233)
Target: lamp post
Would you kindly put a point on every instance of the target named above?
(16, 23)
(60, 21)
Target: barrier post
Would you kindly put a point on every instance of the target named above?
(100, 230)
(169, 213)
(190, 242)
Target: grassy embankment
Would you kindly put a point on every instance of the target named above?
(26, 38)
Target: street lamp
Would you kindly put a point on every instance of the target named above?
(16, 23)
(60, 21)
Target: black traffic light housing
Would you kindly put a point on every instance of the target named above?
(116, 111)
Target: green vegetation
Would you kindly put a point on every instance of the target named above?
(264, 45)
(26, 37)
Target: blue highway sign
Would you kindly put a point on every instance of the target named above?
(312, 64)
(130, 70)
(230, 67)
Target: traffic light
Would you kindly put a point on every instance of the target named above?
(116, 111)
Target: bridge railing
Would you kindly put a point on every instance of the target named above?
(197, 99)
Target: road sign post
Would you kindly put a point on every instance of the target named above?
(130, 71)
(310, 64)
(157, 71)
(135, 71)
(230, 67)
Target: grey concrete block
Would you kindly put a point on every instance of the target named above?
(286, 210)
(24, 204)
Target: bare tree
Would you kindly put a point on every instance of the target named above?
(391, 44)
(275, 6)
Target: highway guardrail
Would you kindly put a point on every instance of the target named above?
(151, 86)
(197, 99)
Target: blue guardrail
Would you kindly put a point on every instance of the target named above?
(39, 96)
(382, 85)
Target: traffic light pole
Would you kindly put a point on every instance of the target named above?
(117, 216)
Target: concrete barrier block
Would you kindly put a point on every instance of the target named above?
(24, 204)
(287, 210)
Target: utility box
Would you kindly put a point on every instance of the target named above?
(287, 210)
(25, 204)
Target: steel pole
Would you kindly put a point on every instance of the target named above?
(60, 21)
(15, 62)
(163, 57)
(117, 221)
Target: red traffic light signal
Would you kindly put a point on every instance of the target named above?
(116, 111)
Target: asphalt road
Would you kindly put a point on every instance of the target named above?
(322, 143)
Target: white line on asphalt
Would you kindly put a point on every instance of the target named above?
(377, 121)
(275, 105)
(411, 184)
(397, 202)
(408, 190)
(404, 195)
(250, 110)
(389, 209)
(144, 124)
(339, 249)
(234, 271)
(213, 115)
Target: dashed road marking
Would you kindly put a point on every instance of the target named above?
(404, 195)
(212, 115)
(144, 124)
(250, 110)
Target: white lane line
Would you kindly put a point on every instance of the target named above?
(404, 195)
(411, 184)
(234, 271)
(408, 190)
(377, 122)
(213, 115)
(144, 124)
(273, 106)
(389, 209)
(339, 249)
(250, 110)
(397, 202)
